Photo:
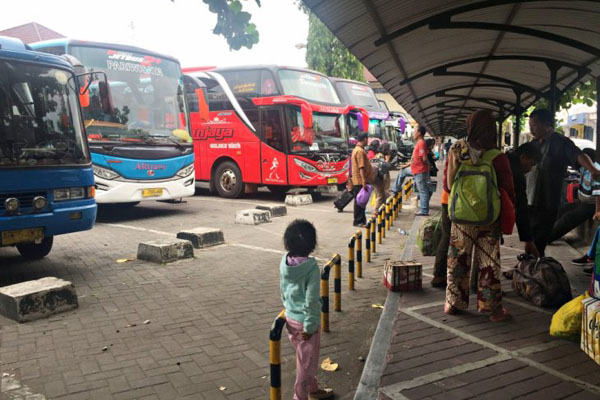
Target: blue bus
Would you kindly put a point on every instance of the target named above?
(142, 150)
(46, 178)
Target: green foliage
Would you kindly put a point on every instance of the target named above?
(583, 93)
(326, 54)
(233, 23)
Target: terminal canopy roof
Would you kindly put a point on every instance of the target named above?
(443, 59)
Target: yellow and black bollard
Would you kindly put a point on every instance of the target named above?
(368, 241)
(399, 196)
(379, 218)
(337, 282)
(373, 223)
(383, 220)
(275, 355)
(408, 189)
(351, 244)
(325, 298)
(358, 235)
(388, 216)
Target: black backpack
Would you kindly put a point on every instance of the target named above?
(381, 168)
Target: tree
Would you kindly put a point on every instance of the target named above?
(326, 54)
(582, 93)
(233, 23)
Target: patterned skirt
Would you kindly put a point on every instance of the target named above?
(477, 246)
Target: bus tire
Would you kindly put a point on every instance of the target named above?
(228, 180)
(35, 251)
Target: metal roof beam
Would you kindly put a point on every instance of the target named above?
(443, 72)
(445, 23)
(494, 58)
(450, 13)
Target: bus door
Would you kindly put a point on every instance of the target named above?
(272, 147)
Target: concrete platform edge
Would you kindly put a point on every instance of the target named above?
(376, 360)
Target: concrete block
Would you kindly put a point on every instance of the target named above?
(37, 299)
(165, 250)
(276, 211)
(252, 217)
(202, 237)
(298, 199)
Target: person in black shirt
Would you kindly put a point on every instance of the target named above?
(522, 160)
(544, 183)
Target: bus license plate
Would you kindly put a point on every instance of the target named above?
(152, 192)
(331, 181)
(22, 236)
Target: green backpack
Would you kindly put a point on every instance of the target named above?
(475, 198)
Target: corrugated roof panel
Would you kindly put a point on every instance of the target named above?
(422, 49)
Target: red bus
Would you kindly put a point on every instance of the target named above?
(269, 126)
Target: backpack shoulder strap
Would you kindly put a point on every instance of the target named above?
(489, 155)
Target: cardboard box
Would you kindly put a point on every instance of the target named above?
(403, 276)
(590, 341)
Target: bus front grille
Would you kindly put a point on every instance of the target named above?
(25, 199)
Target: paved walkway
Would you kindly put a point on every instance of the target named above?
(419, 352)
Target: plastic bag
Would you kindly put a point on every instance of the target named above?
(430, 235)
(362, 198)
(566, 322)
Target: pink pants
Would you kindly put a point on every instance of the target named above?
(307, 359)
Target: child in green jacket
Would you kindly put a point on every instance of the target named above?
(299, 284)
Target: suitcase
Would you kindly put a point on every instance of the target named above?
(343, 199)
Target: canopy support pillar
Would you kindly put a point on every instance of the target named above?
(597, 119)
(517, 127)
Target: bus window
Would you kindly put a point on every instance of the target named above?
(268, 86)
(217, 99)
(272, 132)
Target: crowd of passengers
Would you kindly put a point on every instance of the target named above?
(535, 194)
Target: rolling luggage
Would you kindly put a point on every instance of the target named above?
(343, 199)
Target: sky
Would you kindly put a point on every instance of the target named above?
(182, 29)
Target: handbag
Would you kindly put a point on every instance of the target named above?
(507, 213)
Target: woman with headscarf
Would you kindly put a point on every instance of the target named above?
(480, 243)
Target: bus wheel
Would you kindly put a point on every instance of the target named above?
(228, 180)
(35, 251)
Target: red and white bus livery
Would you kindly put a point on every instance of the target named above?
(269, 126)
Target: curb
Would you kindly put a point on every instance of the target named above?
(376, 359)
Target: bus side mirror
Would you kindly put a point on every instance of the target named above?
(307, 117)
(365, 121)
(202, 104)
(105, 98)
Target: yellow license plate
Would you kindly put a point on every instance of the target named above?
(22, 236)
(152, 192)
(331, 180)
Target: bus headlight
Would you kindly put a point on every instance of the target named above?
(305, 165)
(11, 204)
(74, 193)
(104, 173)
(186, 171)
(39, 203)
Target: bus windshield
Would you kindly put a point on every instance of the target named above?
(40, 123)
(377, 129)
(147, 93)
(329, 133)
(308, 85)
(358, 95)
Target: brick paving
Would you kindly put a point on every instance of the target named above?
(208, 317)
(435, 356)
